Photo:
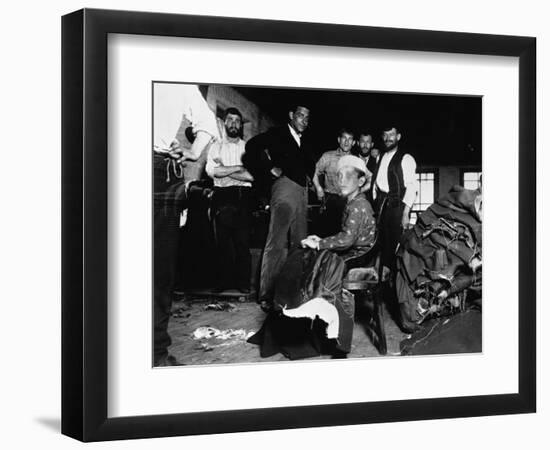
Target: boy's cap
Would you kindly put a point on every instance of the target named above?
(352, 161)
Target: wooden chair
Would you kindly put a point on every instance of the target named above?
(364, 278)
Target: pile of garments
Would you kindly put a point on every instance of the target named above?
(439, 259)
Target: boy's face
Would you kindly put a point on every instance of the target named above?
(349, 181)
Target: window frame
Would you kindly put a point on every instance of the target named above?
(419, 171)
(472, 169)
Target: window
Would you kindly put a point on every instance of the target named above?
(471, 180)
(426, 193)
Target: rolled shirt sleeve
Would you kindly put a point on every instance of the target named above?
(213, 153)
(173, 102)
(408, 165)
(320, 166)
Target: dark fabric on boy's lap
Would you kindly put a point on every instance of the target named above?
(321, 275)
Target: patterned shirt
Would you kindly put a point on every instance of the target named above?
(358, 228)
(328, 166)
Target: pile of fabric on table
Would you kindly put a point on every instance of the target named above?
(439, 259)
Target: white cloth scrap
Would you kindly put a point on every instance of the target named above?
(318, 307)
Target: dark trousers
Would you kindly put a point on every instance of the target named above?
(331, 218)
(233, 236)
(287, 227)
(166, 243)
(390, 229)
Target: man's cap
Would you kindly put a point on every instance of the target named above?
(352, 161)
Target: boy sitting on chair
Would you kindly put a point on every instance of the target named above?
(309, 287)
(358, 224)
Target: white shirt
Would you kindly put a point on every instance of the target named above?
(297, 137)
(230, 154)
(408, 165)
(173, 102)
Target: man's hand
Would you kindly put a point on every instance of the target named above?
(276, 172)
(241, 174)
(175, 151)
(310, 243)
(405, 220)
(227, 171)
(320, 194)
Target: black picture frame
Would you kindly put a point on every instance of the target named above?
(84, 224)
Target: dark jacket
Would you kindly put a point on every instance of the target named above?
(438, 253)
(277, 148)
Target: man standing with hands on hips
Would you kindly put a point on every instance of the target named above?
(282, 158)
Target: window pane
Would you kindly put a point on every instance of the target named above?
(426, 193)
(471, 180)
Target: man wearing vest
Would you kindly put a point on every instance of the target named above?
(394, 191)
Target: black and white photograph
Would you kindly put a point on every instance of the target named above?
(275, 225)
(306, 224)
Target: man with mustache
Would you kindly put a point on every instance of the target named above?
(371, 155)
(394, 191)
(232, 184)
(367, 151)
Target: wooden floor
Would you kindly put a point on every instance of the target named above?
(244, 317)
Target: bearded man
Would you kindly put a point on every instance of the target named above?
(232, 183)
(394, 191)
